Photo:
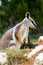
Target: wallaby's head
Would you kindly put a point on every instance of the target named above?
(31, 23)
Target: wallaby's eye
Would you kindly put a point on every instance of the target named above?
(33, 23)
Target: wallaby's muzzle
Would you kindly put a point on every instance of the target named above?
(31, 22)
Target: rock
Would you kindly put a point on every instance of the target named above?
(3, 58)
(39, 59)
(40, 40)
(34, 51)
(13, 47)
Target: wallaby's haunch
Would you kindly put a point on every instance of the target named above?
(19, 33)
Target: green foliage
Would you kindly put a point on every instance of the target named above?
(12, 12)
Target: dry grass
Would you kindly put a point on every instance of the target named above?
(15, 56)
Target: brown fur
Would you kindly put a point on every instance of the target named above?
(4, 41)
(20, 34)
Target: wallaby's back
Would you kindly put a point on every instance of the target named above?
(4, 41)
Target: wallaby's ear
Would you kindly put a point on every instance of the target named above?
(27, 14)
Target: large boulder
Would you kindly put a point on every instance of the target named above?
(3, 58)
(34, 51)
(40, 40)
(39, 59)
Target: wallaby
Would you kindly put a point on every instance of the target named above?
(19, 33)
(21, 30)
